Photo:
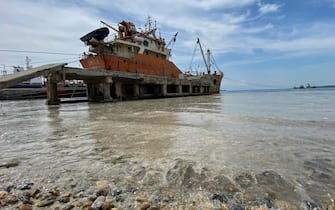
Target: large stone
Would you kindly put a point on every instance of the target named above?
(137, 172)
(10, 199)
(276, 183)
(245, 180)
(98, 203)
(3, 194)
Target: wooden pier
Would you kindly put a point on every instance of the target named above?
(105, 86)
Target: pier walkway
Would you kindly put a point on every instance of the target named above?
(104, 85)
(18, 77)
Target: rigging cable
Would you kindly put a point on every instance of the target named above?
(37, 52)
(196, 46)
(214, 62)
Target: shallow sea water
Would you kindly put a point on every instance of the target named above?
(291, 132)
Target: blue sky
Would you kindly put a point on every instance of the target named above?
(256, 43)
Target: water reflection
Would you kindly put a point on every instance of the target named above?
(87, 142)
(128, 128)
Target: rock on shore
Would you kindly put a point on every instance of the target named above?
(182, 186)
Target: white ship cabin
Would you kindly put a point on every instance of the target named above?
(129, 42)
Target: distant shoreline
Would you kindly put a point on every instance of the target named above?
(310, 87)
(280, 89)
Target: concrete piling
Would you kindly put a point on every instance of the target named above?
(106, 86)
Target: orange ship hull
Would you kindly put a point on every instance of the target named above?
(142, 64)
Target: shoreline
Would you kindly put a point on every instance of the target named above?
(182, 186)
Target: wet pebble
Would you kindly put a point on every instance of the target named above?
(25, 207)
(237, 207)
(145, 206)
(249, 197)
(10, 199)
(68, 207)
(102, 184)
(269, 195)
(245, 180)
(9, 188)
(34, 191)
(98, 203)
(25, 186)
(220, 196)
(102, 192)
(116, 191)
(42, 203)
(3, 194)
(64, 199)
(9, 164)
(46, 202)
(312, 206)
(25, 198)
(142, 199)
(85, 204)
(232, 188)
(132, 189)
(107, 205)
(284, 205)
(54, 192)
(261, 208)
(119, 198)
(224, 206)
(153, 208)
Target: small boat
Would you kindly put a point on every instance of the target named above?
(97, 35)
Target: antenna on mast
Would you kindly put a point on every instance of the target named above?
(28, 60)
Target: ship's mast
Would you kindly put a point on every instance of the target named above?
(203, 56)
(208, 61)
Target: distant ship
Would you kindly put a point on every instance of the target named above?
(142, 52)
(303, 87)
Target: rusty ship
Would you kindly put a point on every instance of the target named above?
(145, 55)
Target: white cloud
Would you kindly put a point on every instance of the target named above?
(214, 4)
(267, 8)
(43, 26)
(255, 30)
(58, 25)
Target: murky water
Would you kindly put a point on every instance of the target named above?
(289, 132)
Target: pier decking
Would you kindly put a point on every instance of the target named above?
(105, 85)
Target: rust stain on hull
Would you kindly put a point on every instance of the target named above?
(140, 64)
